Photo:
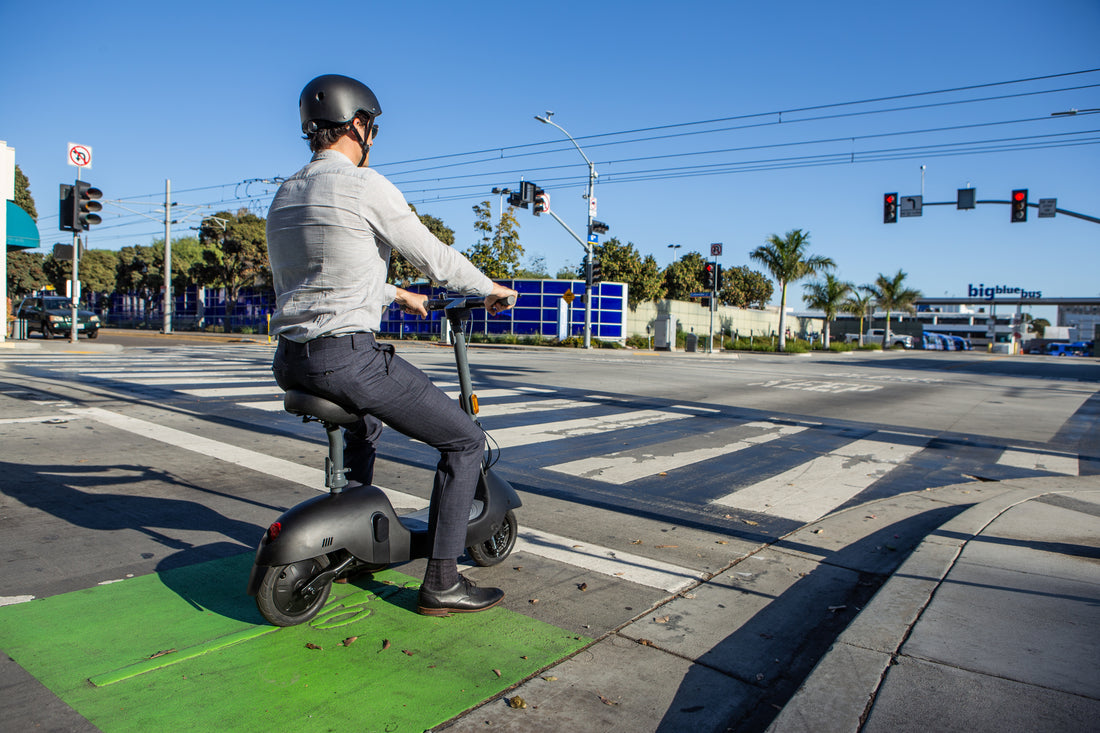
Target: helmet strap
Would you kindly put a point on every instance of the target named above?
(363, 145)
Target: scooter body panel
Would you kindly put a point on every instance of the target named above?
(359, 520)
(362, 521)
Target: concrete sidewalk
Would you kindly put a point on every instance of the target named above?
(992, 623)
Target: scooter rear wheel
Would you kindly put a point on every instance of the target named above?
(283, 599)
(497, 547)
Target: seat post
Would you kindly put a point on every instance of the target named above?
(334, 461)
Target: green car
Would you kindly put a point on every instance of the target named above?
(52, 315)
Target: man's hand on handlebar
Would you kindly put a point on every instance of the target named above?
(501, 299)
(411, 303)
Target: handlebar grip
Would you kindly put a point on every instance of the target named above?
(439, 304)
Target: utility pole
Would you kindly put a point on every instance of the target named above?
(167, 255)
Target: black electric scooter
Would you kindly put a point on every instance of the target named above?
(355, 529)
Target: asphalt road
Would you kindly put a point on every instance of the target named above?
(641, 473)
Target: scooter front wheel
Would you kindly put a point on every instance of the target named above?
(497, 547)
(285, 597)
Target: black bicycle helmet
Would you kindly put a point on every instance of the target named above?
(333, 100)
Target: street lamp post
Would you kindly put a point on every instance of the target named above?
(591, 214)
(502, 192)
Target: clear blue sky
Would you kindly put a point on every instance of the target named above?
(205, 94)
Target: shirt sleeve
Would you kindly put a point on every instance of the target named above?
(393, 221)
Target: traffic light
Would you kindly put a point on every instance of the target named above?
(542, 201)
(1019, 205)
(525, 196)
(890, 208)
(68, 206)
(597, 271)
(717, 277)
(85, 205)
(598, 227)
(709, 272)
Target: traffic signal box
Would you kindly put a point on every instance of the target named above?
(541, 202)
(890, 208)
(79, 204)
(1019, 205)
(712, 276)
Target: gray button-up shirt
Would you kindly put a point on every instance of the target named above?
(330, 230)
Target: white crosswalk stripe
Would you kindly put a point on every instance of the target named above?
(1063, 463)
(623, 467)
(811, 490)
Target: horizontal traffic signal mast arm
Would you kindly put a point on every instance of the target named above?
(1030, 204)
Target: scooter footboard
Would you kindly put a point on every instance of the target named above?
(359, 520)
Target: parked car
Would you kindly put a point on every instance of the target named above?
(874, 336)
(52, 315)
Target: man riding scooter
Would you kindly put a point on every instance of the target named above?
(330, 231)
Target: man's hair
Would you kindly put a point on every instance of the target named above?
(326, 137)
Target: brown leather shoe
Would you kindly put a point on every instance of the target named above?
(462, 597)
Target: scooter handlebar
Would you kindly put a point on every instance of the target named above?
(462, 303)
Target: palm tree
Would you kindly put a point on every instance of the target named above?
(787, 262)
(891, 295)
(858, 304)
(827, 296)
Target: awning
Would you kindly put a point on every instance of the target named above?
(22, 231)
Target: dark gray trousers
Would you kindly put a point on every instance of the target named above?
(358, 372)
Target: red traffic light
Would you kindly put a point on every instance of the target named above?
(890, 198)
(1019, 195)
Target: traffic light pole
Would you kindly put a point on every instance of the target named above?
(74, 324)
(588, 277)
(587, 245)
(713, 300)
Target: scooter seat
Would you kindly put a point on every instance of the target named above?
(304, 404)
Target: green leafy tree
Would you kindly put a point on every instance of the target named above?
(187, 255)
(234, 253)
(788, 261)
(859, 303)
(23, 198)
(745, 288)
(402, 273)
(1038, 325)
(140, 271)
(828, 296)
(684, 276)
(498, 252)
(25, 273)
(623, 263)
(891, 295)
(566, 273)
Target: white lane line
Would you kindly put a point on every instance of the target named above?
(312, 477)
(635, 568)
(500, 409)
(544, 432)
(623, 467)
(40, 418)
(1063, 463)
(813, 489)
(229, 392)
(202, 378)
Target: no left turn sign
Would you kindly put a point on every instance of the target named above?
(80, 155)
